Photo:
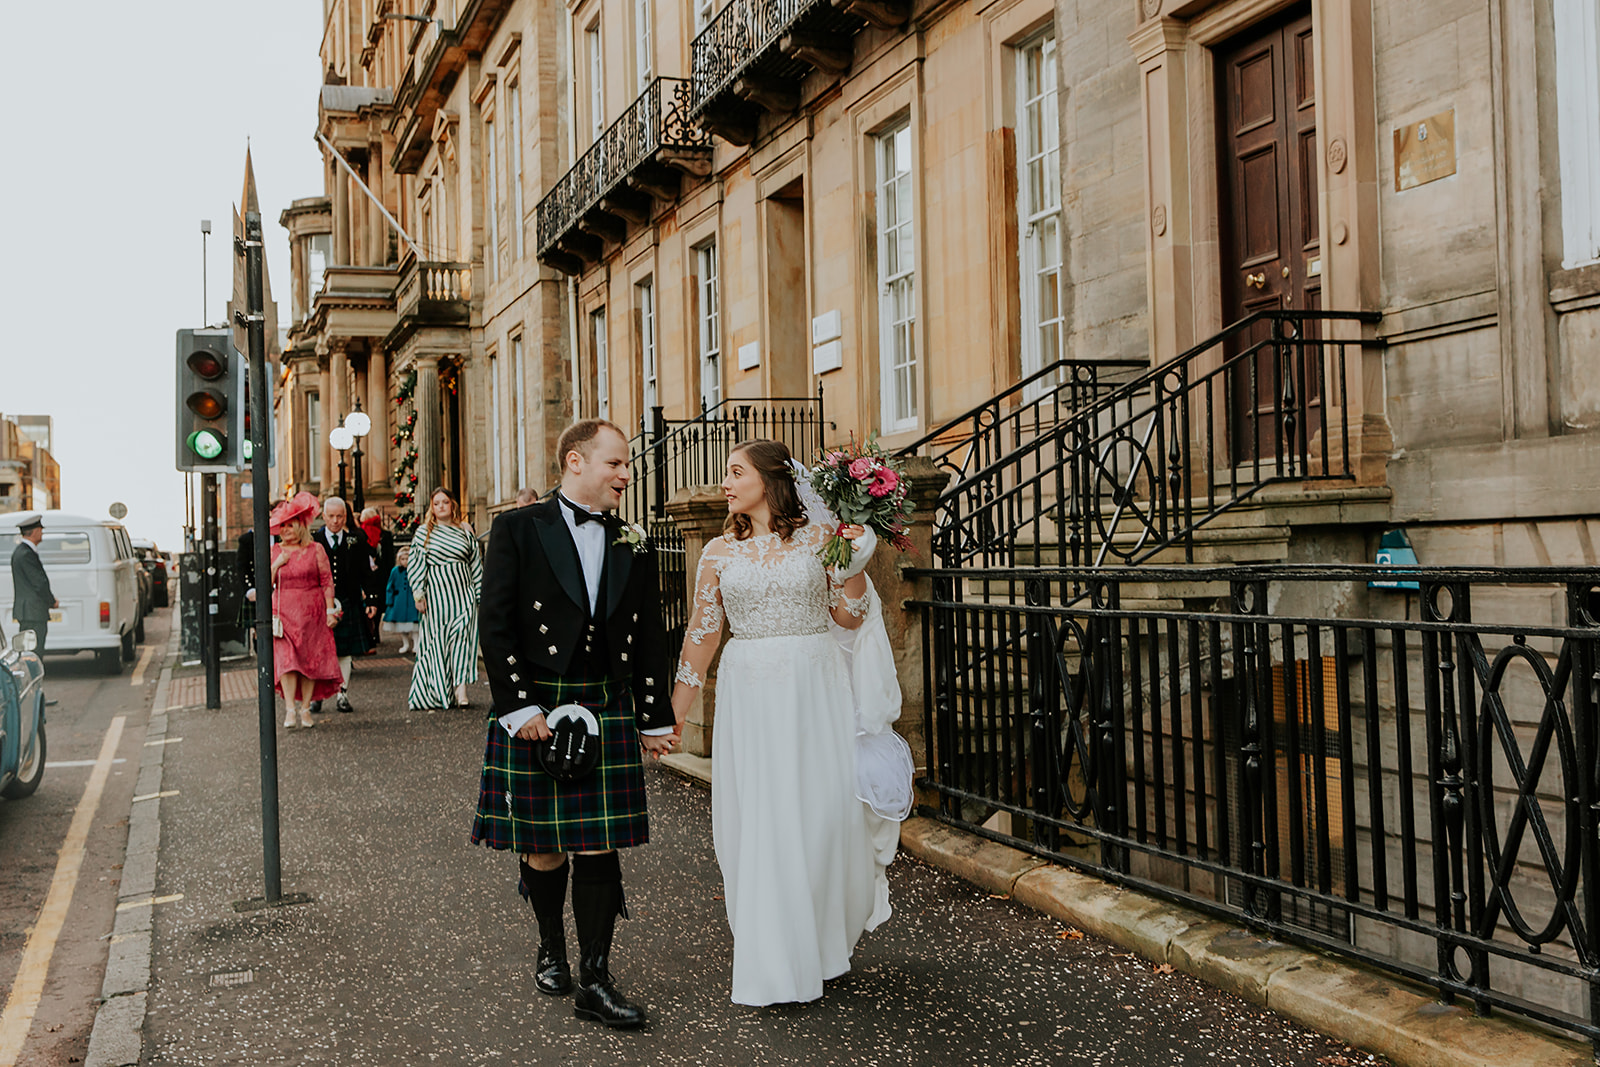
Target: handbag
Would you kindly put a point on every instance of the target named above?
(277, 625)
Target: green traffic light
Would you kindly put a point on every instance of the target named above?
(207, 444)
(249, 449)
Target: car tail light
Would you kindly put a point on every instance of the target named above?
(105, 614)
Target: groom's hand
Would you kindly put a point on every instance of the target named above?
(535, 729)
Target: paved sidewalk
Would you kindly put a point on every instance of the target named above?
(416, 948)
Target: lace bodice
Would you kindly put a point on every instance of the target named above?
(766, 587)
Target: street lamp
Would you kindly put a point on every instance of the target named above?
(359, 425)
(341, 438)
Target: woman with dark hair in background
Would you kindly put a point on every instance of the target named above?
(446, 573)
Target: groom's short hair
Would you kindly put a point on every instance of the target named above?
(579, 438)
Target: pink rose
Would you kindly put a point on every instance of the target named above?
(861, 468)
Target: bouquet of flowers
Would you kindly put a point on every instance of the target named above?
(864, 487)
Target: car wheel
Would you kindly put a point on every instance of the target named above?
(110, 659)
(31, 771)
(129, 650)
(138, 633)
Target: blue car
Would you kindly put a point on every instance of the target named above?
(22, 744)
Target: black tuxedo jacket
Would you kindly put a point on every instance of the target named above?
(352, 568)
(535, 608)
(30, 586)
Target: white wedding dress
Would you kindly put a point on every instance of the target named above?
(803, 858)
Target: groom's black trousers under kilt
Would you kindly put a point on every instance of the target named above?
(523, 809)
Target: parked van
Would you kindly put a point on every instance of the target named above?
(94, 576)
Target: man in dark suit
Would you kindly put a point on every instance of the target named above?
(571, 614)
(31, 598)
(350, 558)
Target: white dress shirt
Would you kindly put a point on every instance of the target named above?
(590, 539)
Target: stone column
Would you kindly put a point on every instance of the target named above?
(376, 404)
(699, 513)
(330, 458)
(338, 408)
(1159, 47)
(887, 569)
(427, 430)
(341, 217)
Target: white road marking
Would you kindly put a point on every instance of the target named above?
(163, 741)
(156, 796)
(145, 657)
(51, 765)
(28, 986)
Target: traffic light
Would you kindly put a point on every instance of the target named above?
(211, 383)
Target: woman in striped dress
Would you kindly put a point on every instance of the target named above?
(446, 575)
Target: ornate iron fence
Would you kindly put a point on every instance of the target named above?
(741, 32)
(1138, 468)
(1416, 784)
(658, 118)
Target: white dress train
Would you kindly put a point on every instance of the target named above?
(803, 858)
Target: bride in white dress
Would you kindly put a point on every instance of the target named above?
(803, 857)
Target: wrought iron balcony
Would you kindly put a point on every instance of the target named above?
(639, 159)
(755, 53)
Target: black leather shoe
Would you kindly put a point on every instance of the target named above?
(316, 707)
(343, 703)
(552, 974)
(598, 999)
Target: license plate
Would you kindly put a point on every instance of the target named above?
(58, 616)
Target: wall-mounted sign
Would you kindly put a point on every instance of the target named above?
(827, 357)
(750, 355)
(1425, 151)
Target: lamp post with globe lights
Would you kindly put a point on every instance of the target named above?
(341, 439)
(359, 423)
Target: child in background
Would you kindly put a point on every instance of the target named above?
(400, 608)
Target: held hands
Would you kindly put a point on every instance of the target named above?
(372, 613)
(658, 746)
(334, 615)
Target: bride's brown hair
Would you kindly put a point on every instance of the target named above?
(770, 460)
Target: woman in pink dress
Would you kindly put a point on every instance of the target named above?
(305, 662)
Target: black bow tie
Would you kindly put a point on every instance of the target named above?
(580, 515)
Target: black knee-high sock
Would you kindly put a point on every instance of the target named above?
(547, 892)
(596, 902)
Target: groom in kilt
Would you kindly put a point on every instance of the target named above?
(571, 614)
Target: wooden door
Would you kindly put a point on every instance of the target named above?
(1268, 223)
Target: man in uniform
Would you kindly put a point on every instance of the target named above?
(30, 586)
(571, 614)
(350, 558)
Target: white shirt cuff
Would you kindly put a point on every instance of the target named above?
(516, 720)
(659, 731)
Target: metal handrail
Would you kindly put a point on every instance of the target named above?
(734, 38)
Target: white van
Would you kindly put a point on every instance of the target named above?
(93, 574)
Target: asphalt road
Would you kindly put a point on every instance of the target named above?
(416, 948)
(32, 832)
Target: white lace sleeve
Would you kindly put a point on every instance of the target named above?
(704, 631)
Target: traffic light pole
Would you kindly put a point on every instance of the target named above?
(261, 492)
(208, 617)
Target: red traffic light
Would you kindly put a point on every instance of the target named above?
(207, 364)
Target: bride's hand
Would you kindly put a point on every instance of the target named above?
(862, 542)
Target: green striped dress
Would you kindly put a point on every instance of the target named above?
(446, 573)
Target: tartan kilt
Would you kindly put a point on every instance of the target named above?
(522, 808)
(350, 634)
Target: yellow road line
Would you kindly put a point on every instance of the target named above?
(29, 984)
(145, 657)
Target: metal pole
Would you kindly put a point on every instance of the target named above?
(266, 707)
(341, 475)
(360, 497)
(208, 619)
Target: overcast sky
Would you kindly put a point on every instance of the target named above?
(127, 128)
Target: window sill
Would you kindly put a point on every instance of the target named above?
(1575, 289)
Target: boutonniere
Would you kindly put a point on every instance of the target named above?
(634, 536)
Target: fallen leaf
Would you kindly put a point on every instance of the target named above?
(999, 896)
(1071, 933)
(1163, 968)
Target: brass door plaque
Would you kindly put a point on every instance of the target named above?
(1425, 151)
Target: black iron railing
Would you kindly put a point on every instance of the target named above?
(673, 454)
(739, 34)
(657, 119)
(1137, 469)
(1415, 783)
